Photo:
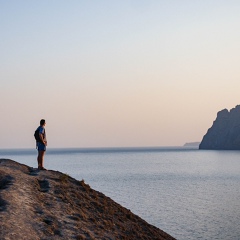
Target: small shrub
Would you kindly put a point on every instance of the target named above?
(85, 186)
(64, 178)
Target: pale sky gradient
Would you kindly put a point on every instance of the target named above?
(116, 73)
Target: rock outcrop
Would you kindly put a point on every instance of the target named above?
(52, 205)
(225, 131)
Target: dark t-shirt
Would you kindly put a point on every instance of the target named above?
(41, 146)
(43, 132)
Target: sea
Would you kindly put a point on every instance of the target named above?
(188, 193)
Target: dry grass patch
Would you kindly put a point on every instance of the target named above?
(64, 178)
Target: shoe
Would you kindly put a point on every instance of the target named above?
(41, 168)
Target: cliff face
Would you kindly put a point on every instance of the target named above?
(52, 205)
(225, 131)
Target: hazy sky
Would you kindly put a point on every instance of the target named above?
(116, 73)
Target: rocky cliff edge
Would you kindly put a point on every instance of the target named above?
(225, 131)
(52, 205)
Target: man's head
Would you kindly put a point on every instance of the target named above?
(42, 122)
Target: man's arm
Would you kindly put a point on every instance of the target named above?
(42, 138)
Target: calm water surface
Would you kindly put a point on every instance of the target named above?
(188, 193)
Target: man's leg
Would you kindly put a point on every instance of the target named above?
(40, 158)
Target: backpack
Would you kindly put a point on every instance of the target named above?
(36, 135)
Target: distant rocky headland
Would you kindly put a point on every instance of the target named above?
(191, 144)
(52, 205)
(225, 131)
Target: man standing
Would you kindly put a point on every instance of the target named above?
(41, 143)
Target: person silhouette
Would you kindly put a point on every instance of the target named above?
(41, 144)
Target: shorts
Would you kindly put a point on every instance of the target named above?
(41, 146)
